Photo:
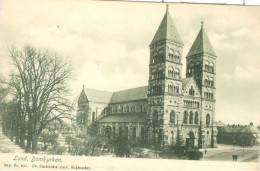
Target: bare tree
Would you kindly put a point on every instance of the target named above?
(41, 80)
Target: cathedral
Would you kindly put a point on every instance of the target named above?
(170, 110)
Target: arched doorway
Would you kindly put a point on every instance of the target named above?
(190, 141)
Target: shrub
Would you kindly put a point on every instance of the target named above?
(138, 152)
(56, 149)
(194, 154)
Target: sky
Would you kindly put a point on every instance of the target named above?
(107, 44)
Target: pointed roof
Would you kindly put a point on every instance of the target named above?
(167, 30)
(201, 44)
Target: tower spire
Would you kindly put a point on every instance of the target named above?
(167, 30)
(202, 24)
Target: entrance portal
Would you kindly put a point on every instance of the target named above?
(191, 140)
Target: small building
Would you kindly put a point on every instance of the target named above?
(244, 135)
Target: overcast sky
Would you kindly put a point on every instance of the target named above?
(108, 44)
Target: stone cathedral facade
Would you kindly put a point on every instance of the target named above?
(171, 110)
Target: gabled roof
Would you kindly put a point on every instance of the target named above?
(201, 44)
(219, 124)
(167, 30)
(98, 95)
(124, 118)
(101, 96)
(130, 94)
(186, 82)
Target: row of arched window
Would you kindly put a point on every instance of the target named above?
(208, 95)
(158, 74)
(81, 118)
(173, 73)
(123, 132)
(156, 89)
(174, 56)
(158, 56)
(173, 88)
(128, 109)
(191, 104)
(190, 118)
(209, 67)
(209, 81)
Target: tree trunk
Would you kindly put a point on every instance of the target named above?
(29, 139)
(17, 130)
(34, 143)
(22, 135)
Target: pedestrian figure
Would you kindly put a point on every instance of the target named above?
(205, 151)
(234, 156)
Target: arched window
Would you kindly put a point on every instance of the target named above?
(170, 55)
(206, 81)
(172, 116)
(191, 117)
(211, 82)
(191, 91)
(208, 119)
(207, 66)
(208, 95)
(126, 133)
(176, 73)
(176, 57)
(160, 73)
(196, 118)
(170, 87)
(176, 88)
(155, 117)
(170, 72)
(134, 133)
(185, 117)
(211, 67)
(155, 57)
(154, 74)
(120, 132)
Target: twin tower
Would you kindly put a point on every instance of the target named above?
(171, 110)
(181, 110)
